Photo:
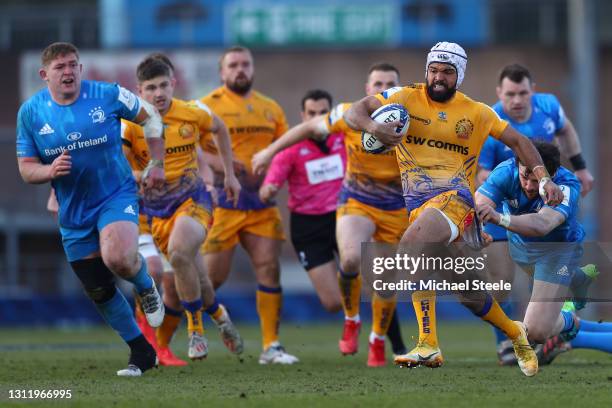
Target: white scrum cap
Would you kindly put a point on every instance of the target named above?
(449, 53)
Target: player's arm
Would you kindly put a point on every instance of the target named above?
(569, 145)
(315, 128)
(204, 170)
(206, 174)
(486, 161)
(278, 173)
(481, 200)
(529, 225)
(481, 176)
(153, 127)
(529, 156)
(357, 117)
(129, 155)
(214, 161)
(224, 147)
(32, 171)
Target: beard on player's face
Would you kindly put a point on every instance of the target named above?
(241, 84)
(439, 91)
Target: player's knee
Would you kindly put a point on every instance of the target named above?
(268, 269)
(179, 259)
(96, 278)
(122, 265)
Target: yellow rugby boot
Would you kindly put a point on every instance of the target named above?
(422, 355)
(526, 356)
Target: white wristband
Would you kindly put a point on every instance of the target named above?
(153, 126)
(541, 185)
(504, 220)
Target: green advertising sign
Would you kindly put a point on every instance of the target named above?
(312, 24)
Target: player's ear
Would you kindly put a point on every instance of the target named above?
(43, 74)
(498, 91)
(173, 81)
(533, 87)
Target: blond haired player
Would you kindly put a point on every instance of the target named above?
(180, 212)
(254, 121)
(371, 208)
(437, 160)
(69, 134)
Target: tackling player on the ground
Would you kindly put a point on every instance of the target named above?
(545, 241)
(437, 160)
(538, 116)
(70, 134)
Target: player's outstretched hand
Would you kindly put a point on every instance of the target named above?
(586, 180)
(386, 133)
(260, 162)
(232, 188)
(267, 192)
(487, 214)
(61, 165)
(153, 175)
(551, 193)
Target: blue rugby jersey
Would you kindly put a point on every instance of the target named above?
(503, 186)
(547, 118)
(90, 130)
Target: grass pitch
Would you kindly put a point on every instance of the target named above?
(85, 360)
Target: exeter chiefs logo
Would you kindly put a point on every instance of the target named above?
(186, 130)
(464, 128)
(269, 115)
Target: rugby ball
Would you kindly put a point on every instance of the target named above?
(386, 114)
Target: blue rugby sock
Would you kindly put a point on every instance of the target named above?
(212, 309)
(593, 341)
(118, 314)
(590, 326)
(142, 280)
(192, 307)
(508, 307)
(568, 321)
